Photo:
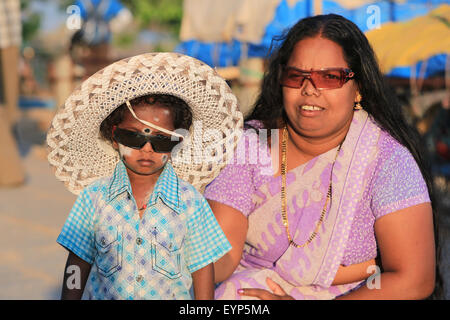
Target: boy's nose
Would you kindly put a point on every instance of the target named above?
(147, 147)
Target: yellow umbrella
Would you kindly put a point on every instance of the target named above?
(406, 43)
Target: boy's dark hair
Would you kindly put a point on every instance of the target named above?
(180, 110)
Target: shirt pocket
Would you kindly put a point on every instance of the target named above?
(108, 242)
(166, 254)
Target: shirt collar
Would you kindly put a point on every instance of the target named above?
(119, 182)
(166, 187)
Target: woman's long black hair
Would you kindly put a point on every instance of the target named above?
(378, 99)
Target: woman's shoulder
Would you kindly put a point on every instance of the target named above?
(253, 124)
(391, 149)
(395, 161)
(249, 168)
(252, 153)
(252, 130)
(397, 181)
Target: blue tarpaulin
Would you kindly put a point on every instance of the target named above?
(435, 65)
(228, 54)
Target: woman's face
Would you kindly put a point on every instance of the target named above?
(145, 161)
(317, 113)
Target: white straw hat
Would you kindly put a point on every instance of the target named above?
(80, 156)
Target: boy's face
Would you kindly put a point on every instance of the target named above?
(145, 161)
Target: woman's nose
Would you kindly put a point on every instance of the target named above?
(308, 87)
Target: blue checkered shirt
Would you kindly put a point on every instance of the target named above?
(148, 258)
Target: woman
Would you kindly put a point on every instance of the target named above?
(350, 186)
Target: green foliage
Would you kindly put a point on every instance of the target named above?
(164, 13)
(30, 27)
(124, 40)
(63, 4)
(31, 21)
(160, 14)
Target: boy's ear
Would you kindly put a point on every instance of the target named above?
(167, 157)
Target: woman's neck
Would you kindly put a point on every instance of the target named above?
(305, 148)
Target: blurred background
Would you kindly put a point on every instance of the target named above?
(47, 48)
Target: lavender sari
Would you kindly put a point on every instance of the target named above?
(308, 272)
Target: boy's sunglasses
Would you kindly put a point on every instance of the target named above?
(331, 78)
(136, 140)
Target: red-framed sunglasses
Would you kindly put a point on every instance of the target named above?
(323, 79)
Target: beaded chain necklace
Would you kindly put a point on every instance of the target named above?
(284, 143)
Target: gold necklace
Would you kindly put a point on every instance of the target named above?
(284, 142)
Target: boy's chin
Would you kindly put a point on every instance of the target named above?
(145, 171)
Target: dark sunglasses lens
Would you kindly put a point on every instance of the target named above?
(129, 138)
(163, 144)
(136, 140)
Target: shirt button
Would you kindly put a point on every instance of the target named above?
(139, 241)
(139, 278)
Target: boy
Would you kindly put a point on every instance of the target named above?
(140, 232)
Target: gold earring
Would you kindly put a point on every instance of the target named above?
(358, 105)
